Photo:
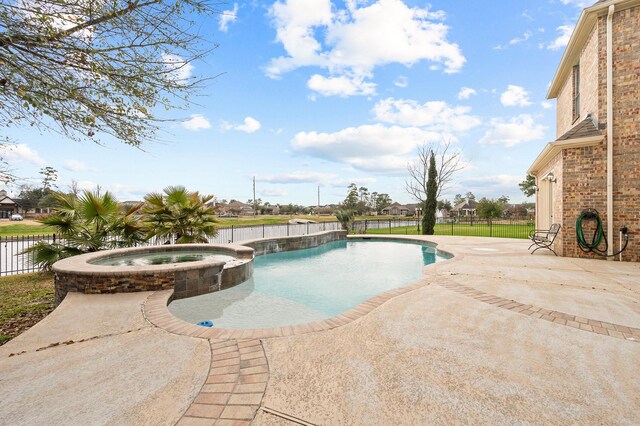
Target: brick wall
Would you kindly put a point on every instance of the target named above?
(584, 169)
(584, 186)
(626, 127)
(589, 88)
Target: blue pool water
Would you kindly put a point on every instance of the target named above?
(300, 286)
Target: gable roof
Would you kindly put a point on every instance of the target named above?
(466, 205)
(579, 37)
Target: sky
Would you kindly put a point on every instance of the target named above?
(321, 93)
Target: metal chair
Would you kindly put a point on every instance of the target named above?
(544, 238)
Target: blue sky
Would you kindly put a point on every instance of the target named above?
(325, 93)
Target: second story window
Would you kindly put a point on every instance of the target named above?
(576, 92)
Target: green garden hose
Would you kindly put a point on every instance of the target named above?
(598, 234)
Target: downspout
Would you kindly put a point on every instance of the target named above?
(610, 128)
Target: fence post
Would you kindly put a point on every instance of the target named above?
(490, 228)
(263, 230)
(287, 229)
(307, 228)
(389, 225)
(452, 228)
(232, 233)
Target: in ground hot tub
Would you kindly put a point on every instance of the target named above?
(188, 269)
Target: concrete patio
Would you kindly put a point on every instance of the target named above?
(494, 335)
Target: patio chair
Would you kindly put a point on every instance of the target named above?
(544, 238)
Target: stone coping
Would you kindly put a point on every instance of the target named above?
(81, 265)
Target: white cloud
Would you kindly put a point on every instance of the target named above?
(402, 81)
(513, 131)
(77, 166)
(563, 38)
(354, 41)
(176, 66)
(466, 93)
(196, 122)
(20, 152)
(578, 3)
(324, 179)
(488, 183)
(250, 125)
(342, 86)
(273, 192)
(227, 17)
(516, 40)
(546, 104)
(435, 115)
(369, 147)
(515, 96)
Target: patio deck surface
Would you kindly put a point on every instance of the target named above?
(494, 335)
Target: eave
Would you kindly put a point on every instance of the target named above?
(553, 148)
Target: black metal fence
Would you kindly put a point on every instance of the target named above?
(470, 226)
(13, 261)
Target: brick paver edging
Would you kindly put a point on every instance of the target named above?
(580, 323)
(235, 386)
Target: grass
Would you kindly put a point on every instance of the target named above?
(24, 300)
(465, 230)
(283, 219)
(19, 230)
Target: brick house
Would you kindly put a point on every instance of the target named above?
(595, 160)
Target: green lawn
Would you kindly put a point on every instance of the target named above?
(24, 300)
(281, 220)
(465, 230)
(21, 229)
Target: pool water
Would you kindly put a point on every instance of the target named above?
(163, 258)
(307, 285)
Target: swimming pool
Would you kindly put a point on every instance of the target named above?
(308, 285)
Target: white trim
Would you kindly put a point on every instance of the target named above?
(553, 148)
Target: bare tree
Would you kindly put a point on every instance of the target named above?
(87, 68)
(448, 162)
(7, 174)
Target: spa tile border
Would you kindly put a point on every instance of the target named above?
(157, 313)
(585, 324)
(235, 386)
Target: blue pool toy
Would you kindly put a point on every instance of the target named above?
(206, 323)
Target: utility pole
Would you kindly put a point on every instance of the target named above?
(254, 196)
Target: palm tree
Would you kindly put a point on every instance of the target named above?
(179, 216)
(87, 223)
(345, 217)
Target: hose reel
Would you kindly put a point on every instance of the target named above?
(598, 237)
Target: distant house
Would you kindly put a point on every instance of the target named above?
(397, 209)
(465, 208)
(593, 162)
(235, 208)
(327, 210)
(8, 206)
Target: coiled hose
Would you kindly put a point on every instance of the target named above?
(598, 234)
